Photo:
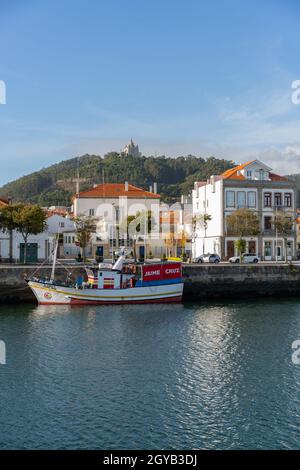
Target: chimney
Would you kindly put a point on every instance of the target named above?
(150, 188)
(126, 185)
(155, 188)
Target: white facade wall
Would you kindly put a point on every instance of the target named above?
(103, 207)
(208, 199)
(45, 240)
(220, 200)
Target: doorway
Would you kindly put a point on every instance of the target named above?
(31, 252)
(252, 247)
(230, 248)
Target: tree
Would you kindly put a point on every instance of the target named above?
(203, 220)
(85, 226)
(240, 245)
(26, 219)
(182, 237)
(242, 223)
(283, 224)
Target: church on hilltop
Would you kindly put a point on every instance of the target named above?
(131, 149)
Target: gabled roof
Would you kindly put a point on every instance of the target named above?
(233, 173)
(115, 190)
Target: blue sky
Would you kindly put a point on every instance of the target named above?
(179, 77)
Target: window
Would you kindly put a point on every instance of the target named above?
(268, 223)
(263, 175)
(251, 195)
(267, 199)
(241, 199)
(249, 174)
(91, 212)
(230, 199)
(288, 199)
(277, 199)
(61, 224)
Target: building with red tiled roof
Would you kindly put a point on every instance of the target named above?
(110, 204)
(116, 190)
(251, 185)
(257, 171)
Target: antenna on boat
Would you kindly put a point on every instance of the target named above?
(54, 259)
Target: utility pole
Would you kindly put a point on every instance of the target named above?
(276, 234)
(77, 179)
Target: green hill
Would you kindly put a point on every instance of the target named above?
(56, 184)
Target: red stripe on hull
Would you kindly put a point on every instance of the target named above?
(176, 299)
(52, 303)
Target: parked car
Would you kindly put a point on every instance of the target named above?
(208, 258)
(199, 259)
(246, 258)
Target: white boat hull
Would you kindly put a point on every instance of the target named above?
(50, 294)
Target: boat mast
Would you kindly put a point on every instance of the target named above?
(54, 259)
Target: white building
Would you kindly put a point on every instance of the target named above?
(110, 204)
(39, 246)
(251, 185)
(131, 149)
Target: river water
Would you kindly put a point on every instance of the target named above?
(192, 376)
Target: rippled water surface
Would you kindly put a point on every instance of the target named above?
(201, 376)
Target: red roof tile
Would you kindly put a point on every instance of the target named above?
(233, 173)
(114, 190)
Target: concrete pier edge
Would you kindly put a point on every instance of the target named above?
(201, 282)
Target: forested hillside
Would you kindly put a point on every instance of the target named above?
(56, 184)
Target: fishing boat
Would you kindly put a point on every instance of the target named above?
(117, 283)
